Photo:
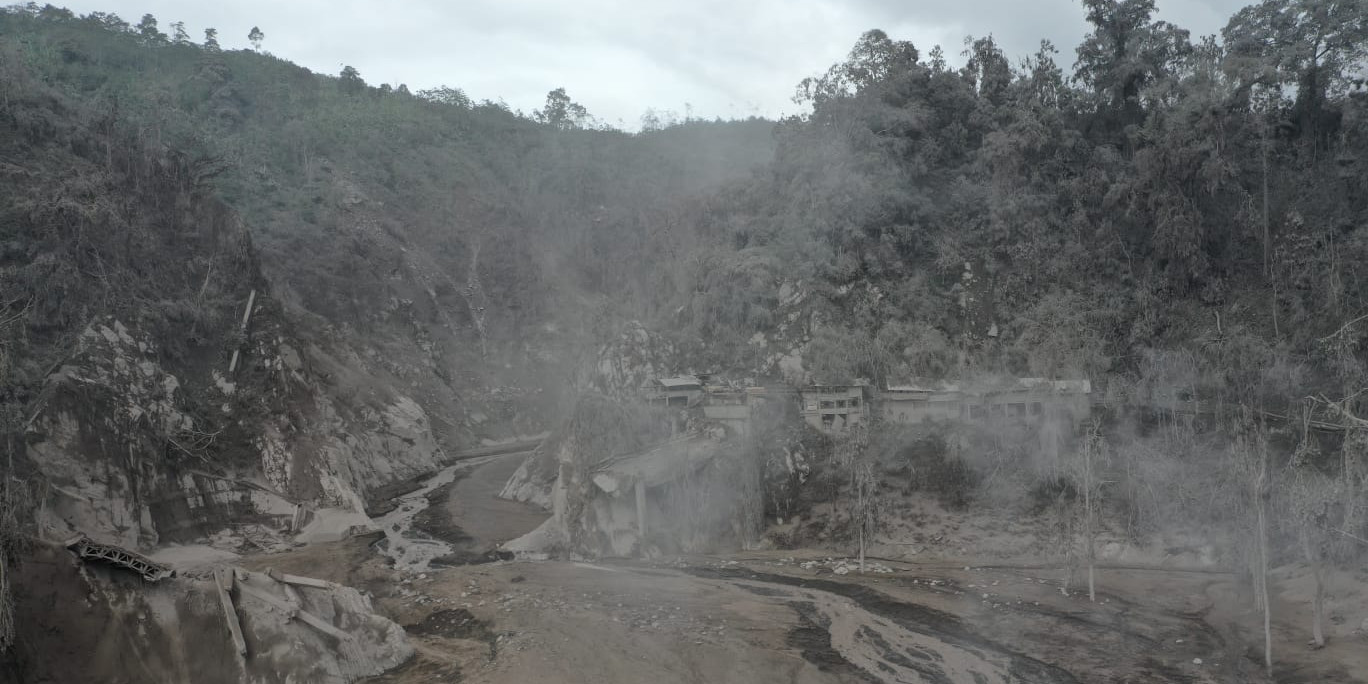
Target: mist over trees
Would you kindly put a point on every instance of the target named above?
(1178, 218)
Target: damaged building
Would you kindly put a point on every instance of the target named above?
(1019, 399)
(836, 408)
(683, 496)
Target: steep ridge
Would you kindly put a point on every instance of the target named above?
(152, 402)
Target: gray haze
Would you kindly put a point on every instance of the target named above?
(725, 58)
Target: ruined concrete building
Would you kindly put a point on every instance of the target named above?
(682, 496)
(732, 409)
(1026, 399)
(834, 408)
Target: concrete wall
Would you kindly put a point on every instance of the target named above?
(899, 407)
(834, 409)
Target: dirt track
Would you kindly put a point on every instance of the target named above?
(711, 621)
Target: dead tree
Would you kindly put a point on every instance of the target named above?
(1252, 453)
(1094, 449)
(854, 456)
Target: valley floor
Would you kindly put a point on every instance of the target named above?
(800, 616)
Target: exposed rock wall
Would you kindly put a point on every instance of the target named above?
(125, 286)
(128, 463)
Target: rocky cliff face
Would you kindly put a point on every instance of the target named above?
(136, 454)
(150, 377)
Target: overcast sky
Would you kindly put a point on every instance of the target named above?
(728, 58)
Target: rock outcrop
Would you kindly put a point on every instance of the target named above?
(151, 379)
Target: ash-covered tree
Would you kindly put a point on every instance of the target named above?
(1091, 457)
(350, 81)
(454, 97)
(178, 33)
(211, 39)
(1313, 45)
(147, 31)
(987, 69)
(1125, 52)
(562, 113)
(255, 36)
(1252, 461)
(864, 502)
(875, 60)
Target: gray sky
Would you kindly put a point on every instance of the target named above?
(728, 58)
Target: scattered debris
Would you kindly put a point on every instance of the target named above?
(842, 566)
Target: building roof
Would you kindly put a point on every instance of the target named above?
(925, 387)
(1011, 385)
(831, 388)
(681, 382)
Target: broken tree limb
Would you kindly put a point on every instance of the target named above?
(291, 612)
(640, 491)
(223, 580)
(287, 578)
(246, 317)
(304, 616)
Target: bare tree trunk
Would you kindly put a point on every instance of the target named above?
(1267, 241)
(1261, 507)
(862, 547)
(242, 329)
(1318, 606)
(1313, 556)
(1088, 516)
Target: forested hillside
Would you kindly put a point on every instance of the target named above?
(1171, 196)
(1094, 218)
(1177, 218)
(445, 245)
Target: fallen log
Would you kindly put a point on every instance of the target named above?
(286, 578)
(304, 616)
(223, 580)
